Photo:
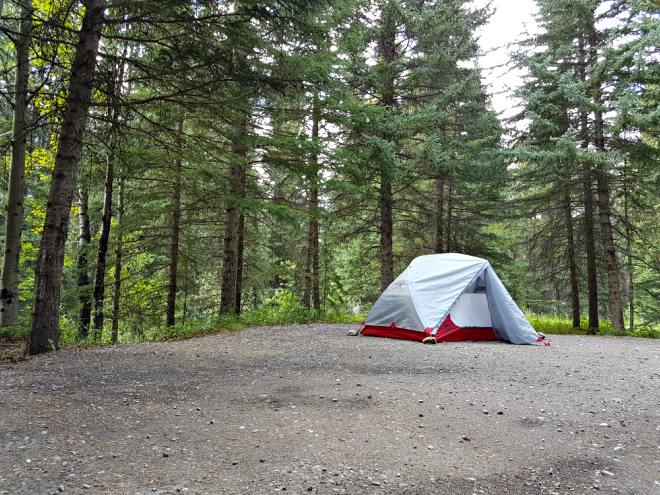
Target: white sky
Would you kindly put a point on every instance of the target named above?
(510, 22)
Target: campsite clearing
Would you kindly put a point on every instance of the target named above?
(306, 409)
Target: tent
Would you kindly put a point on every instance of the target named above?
(447, 298)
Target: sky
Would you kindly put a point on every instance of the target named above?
(511, 20)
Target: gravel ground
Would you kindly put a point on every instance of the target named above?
(307, 409)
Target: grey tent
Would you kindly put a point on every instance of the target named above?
(448, 297)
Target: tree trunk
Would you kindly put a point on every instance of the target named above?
(590, 248)
(450, 208)
(589, 239)
(119, 253)
(232, 214)
(175, 228)
(570, 252)
(386, 228)
(606, 233)
(588, 200)
(439, 213)
(312, 296)
(239, 264)
(629, 257)
(44, 328)
(106, 217)
(104, 240)
(84, 239)
(9, 295)
(385, 200)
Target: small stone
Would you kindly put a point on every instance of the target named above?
(485, 411)
(165, 454)
(60, 488)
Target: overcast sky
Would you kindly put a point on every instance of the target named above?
(512, 18)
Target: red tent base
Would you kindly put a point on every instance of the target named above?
(448, 332)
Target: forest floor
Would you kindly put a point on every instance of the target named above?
(307, 409)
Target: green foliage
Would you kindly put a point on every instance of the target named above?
(560, 325)
(282, 308)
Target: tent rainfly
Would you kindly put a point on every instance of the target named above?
(448, 298)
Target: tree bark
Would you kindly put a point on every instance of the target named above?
(606, 232)
(84, 288)
(232, 214)
(9, 295)
(44, 328)
(175, 229)
(570, 253)
(119, 254)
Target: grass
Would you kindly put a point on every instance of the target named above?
(559, 325)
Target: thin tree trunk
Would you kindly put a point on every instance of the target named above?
(570, 252)
(84, 288)
(590, 248)
(386, 228)
(106, 217)
(588, 200)
(629, 256)
(439, 214)
(119, 254)
(44, 329)
(385, 200)
(239, 264)
(312, 290)
(104, 241)
(175, 228)
(9, 295)
(450, 208)
(232, 214)
(606, 233)
(589, 239)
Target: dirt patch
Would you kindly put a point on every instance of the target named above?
(306, 409)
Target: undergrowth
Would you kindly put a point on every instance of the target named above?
(559, 325)
(284, 308)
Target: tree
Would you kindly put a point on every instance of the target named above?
(15, 209)
(44, 328)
